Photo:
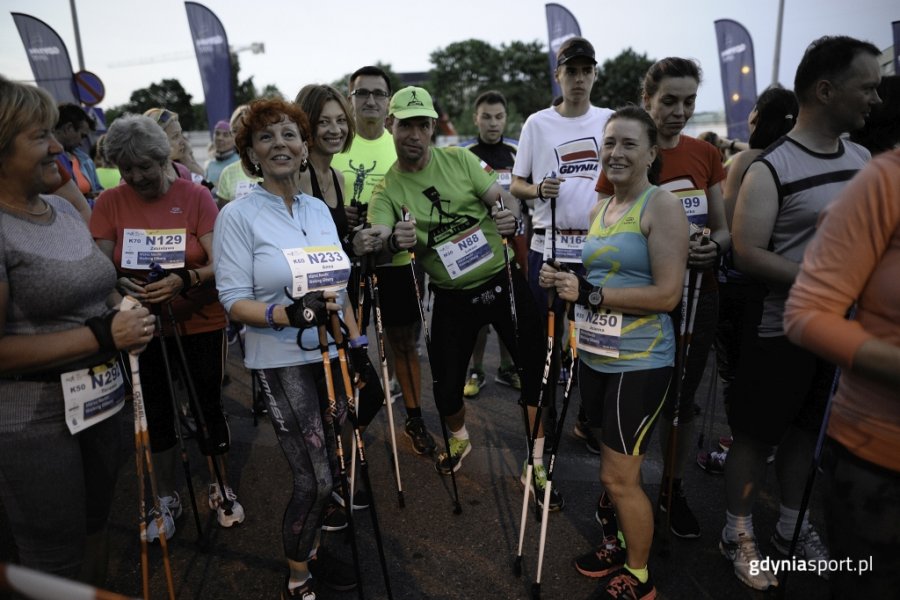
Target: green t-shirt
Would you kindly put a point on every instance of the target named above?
(364, 166)
(457, 240)
(234, 183)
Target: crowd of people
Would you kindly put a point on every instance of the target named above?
(656, 247)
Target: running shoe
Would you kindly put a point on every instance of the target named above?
(539, 486)
(609, 557)
(170, 509)
(711, 461)
(226, 516)
(682, 521)
(747, 561)
(623, 585)
(474, 383)
(459, 449)
(583, 432)
(809, 545)
(335, 517)
(508, 377)
(303, 592)
(332, 571)
(422, 442)
(725, 442)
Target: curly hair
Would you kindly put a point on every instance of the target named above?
(260, 114)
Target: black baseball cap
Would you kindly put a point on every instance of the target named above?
(575, 47)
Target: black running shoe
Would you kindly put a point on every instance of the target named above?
(623, 585)
(422, 442)
(303, 592)
(335, 517)
(332, 571)
(682, 521)
(601, 562)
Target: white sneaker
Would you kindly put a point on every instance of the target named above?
(170, 509)
(809, 546)
(746, 559)
(227, 517)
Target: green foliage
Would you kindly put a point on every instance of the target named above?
(244, 91)
(463, 70)
(166, 94)
(619, 79)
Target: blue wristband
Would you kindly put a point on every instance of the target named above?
(359, 342)
(270, 317)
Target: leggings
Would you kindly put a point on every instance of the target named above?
(57, 488)
(298, 410)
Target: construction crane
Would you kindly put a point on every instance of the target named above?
(255, 48)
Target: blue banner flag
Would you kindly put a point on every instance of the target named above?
(738, 76)
(896, 28)
(47, 56)
(214, 59)
(561, 25)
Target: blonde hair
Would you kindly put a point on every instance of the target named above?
(22, 106)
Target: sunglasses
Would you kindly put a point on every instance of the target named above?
(164, 116)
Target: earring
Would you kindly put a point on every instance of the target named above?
(303, 165)
(257, 170)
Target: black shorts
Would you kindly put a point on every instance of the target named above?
(778, 385)
(457, 318)
(626, 405)
(396, 295)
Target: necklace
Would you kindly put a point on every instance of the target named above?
(39, 213)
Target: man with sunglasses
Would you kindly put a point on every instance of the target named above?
(364, 165)
(455, 228)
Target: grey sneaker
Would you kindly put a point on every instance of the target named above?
(746, 559)
(169, 509)
(809, 546)
(508, 377)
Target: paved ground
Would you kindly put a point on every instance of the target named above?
(431, 553)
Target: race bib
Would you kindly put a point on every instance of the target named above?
(317, 268)
(242, 189)
(598, 332)
(92, 395)
(695, 206)
(568, 247)
(465, 252)
(165, 247)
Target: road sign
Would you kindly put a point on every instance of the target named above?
(88, 88)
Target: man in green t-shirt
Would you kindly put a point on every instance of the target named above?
(364, 165)
(450, 195)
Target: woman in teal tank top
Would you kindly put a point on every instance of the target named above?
(635, 257)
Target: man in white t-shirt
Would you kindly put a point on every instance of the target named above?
(559, 157)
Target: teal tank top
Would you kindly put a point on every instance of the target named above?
(618, 257)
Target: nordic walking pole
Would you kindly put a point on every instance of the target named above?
(331, 418)
(43, 586)
(709, 412)
(352, 402)
(385, 375)
(227, 503)
(813, 467)
(457, 507)
(184, 455)
(142, 449)
(536, 586)
(689, 300)
(531, 430)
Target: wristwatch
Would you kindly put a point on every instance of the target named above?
(595, 298)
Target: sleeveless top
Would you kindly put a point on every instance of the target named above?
(618, 257)
(337, 213)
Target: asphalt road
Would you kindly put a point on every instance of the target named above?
(431, 552)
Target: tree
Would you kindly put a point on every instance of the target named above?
(619, 79)
(166, 94)
(463, 70)
(243, 91)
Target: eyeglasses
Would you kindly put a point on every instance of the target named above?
(364, 93)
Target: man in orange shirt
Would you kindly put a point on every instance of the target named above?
(73, 127)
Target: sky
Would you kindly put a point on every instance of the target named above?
(318, 42)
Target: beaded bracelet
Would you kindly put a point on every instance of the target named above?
(270, 318)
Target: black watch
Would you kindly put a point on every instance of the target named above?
(595, 298)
